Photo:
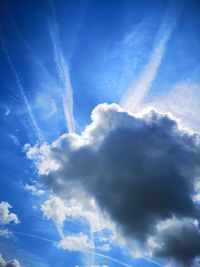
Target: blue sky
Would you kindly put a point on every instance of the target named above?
(59, 61)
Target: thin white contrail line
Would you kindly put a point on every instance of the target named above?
(21, 89)
(109, 258)
(35, 236)
(63, 73)
(27, 45)
(139, 89)
(152, 261)
(142, 85)
(94, 253)
(88, 251)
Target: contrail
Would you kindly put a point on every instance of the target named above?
(35, 236)
(27, 45)
(94, 253)
(152, 261)
(139, 89)
(109, 258)
(63, 73)
(21, 89)
(88, 251)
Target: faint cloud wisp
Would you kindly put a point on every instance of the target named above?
(141, 85)
(63, 73)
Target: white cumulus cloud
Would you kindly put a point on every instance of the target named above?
(5, 215)
(78, 242)
(140, 170)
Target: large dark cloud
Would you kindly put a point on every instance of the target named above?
(178, 239)
(141, 170)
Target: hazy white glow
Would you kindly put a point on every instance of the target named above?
(139, 89)
(5, 233)
(182, 100)
(141, 85)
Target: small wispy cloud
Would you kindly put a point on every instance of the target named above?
(34, 190)
(4, 109)
(141, 85)
(6, 233)
(63, 72)
(21, 90)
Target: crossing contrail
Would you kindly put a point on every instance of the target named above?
(109, 258)
(21, 90)
(63, 73)
(88, 251)
(140, 87)
(93, 252)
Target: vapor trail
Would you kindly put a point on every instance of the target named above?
(35, 236)
(109, 258)
(27, 45)
(21, 90)
(63, 73)
(88, 251)
(152, 261)
(140, 87)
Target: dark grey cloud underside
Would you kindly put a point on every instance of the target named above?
(141, 173)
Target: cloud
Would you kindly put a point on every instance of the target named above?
(178, 239)
(78, 242)
(143, 83)
(141, 169)
(5, 216)
(141, 86)
(183, 101)
(81, 210)
(6, 233)
(4, 109)
(10, 263)
(63, 72)
(34, 190)
(55, 209)
(14, 139)
(91, 265)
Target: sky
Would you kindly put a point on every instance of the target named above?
(100, 133)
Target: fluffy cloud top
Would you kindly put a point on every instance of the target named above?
(5, 215)
(78, 242)
(84, 210)
(141, 170)
(10, 263)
